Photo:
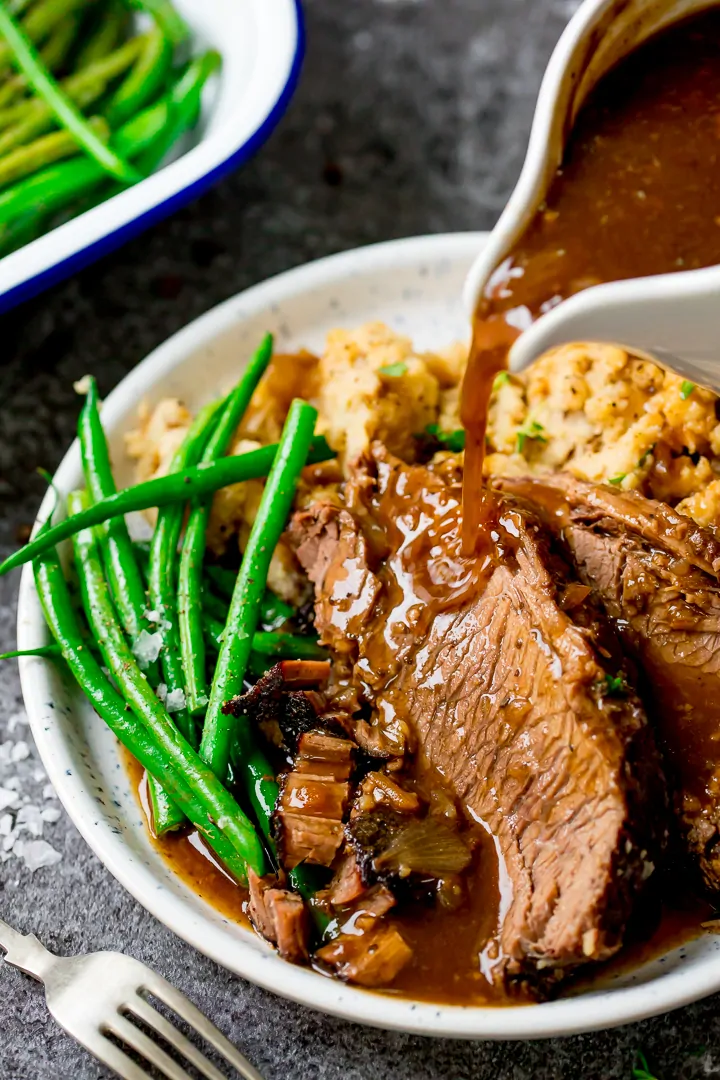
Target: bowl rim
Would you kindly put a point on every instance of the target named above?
(593, 1010)
(153, 199)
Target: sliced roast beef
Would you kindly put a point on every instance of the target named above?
(656, 573)
(504, 696)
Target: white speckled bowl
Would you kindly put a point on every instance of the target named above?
(415, 286)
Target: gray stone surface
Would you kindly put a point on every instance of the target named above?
(411, 117)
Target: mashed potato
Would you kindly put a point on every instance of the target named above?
(593, 410)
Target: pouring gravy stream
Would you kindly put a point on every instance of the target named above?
(638, 193)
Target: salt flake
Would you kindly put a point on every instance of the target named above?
(30, 818)
(175, 701)
(147, 648)
(18, 719)
(48, 792)
(51, 814)
(6, 824)
(20, 751)
(8, 799)
(38, 853)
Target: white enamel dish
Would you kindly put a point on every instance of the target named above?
(261, 42)
(416, 287)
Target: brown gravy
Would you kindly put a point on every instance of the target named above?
(435, 934)
(638, 194)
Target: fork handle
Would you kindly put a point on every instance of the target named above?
(25, 952)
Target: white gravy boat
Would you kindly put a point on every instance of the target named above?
(673, 318)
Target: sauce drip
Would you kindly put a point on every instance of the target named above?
(638, 193)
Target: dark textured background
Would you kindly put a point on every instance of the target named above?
(411, 117)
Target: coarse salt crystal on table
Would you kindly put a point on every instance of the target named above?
(20, 751)
(18, 719)
(30, 818)
(8, 799)
(48, 792)
(51, 814)
(37, 853)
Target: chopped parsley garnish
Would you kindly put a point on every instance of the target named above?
(454, 441)
(394, 370)
(641, 1069)
(617, 479)
(686, 389)
(500, 379)
(615, 685)
(531, 430)
(645, 456)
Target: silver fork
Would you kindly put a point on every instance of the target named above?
(93, 996)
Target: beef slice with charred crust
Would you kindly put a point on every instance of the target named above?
(504, 696)
(656, 573)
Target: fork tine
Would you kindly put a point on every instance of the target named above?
(145, 1012)
(150, 1050)
(166, 992)
(111, 1055)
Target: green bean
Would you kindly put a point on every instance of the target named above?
(175, 487)
(167, 18)
(52, 54)
(65, 111)
(264, 644)
(18, 6)
(41, 650)
(190, 581)
(274, 612)
(162, 572)
(126, 584)
(30, 118)
(186, 100)
(250, 587)
(27, 159)
(109, 27)
(148, 135)
(55, 186)
(56, 49)
(148, 735)
(144, 80)
(288, 646)
(214, 606)
(40, 21)
(44, 16)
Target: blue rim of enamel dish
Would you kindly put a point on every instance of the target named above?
(24, 290)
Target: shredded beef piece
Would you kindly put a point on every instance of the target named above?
(314, 797)
(347, 885)
(285, 703)
(292, 926)
(279, 916)
(372, 958)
